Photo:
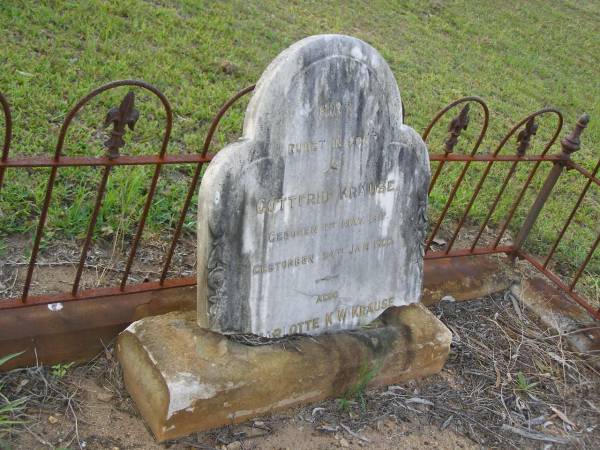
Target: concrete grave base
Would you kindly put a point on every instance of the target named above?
(185, 379)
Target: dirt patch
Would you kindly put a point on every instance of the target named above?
(58, 260)
(57, 264)
(507, 377)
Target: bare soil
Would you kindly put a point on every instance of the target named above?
(57, 264)
(508, 383)
(58, 259)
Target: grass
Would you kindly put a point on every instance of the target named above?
(519, 56)
(522, 384)
(9, 408)
(356, 392)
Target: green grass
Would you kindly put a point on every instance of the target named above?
(60, 370)
(522, 385)
(519, 56)
(356, 392)
(9, 408)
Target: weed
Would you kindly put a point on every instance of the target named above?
(9, 408)
(522, 384)
(356, 393)
(60, 370)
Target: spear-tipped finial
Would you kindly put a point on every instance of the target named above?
(455, 128)
(119, 117)
(572, 142)
(524, 137)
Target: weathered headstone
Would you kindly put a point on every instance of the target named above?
(314, 220)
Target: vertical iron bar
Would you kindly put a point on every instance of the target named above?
(469, 206)
(438, 170)
(489, 166)
(90, 230)
(7, 134)
(180, 221)
(492, 208)
(568, 222)
(449, 201)
(150, 196)
(39, 230)
(532, 173)
(151, 192)
(196, 177)
(524, 141)
(569, 144)
(517, 202)
(141, 225)
(455, 127)
(585, 263)
(538, 204)
(505, 225)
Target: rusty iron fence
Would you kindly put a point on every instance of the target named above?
(472, 168)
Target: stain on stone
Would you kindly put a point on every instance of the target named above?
(324, 120)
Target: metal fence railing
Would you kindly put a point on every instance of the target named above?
(483, 198)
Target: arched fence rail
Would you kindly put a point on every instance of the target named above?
(472, 167)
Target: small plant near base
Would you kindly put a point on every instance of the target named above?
(356, 393)
(60, 370)
(9, 408)
(523, 385)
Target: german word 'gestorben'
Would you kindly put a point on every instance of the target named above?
(314, 220)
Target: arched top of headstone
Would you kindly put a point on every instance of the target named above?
(301, 72)
(314, 220)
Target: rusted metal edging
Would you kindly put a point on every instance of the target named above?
(126, 115)
(123, 160)
(568, 290)
(583, 171)
(92, 294)
(146, 160)
(79, 330)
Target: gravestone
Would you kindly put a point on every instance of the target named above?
(314, 220)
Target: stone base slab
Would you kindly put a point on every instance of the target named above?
(185, 379)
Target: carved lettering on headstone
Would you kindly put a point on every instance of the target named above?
(314, 221)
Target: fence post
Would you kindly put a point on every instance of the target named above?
(569, 144)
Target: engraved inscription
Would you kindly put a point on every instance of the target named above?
(299, 261)
(333, 295)
(335, 109)
(283, 265)
(365, 189)
(312, 230)
(293, 201)
(334, 318)
(286, 235)
(313, 221)
(336, 144)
